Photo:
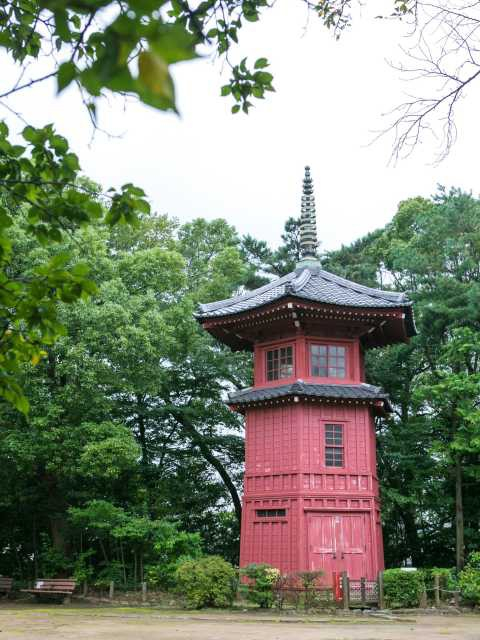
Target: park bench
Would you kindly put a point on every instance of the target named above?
(60, 588)
(5, 585)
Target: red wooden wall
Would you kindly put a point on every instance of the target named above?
(336, 506)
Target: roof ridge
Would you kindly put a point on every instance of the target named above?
(300, 383)
(341, 392)
(301, 280)
(394, 296)
(212, 306)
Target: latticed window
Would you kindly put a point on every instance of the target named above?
(279, 363)
(271, 513)
(327, 361)
(334, 446)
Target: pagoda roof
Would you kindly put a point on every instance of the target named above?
(338, 392)
(311, 283)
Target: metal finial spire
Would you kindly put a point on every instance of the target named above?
(308, 223)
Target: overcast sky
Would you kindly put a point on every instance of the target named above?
(248, 169)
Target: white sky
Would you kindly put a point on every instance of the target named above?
(248, 169)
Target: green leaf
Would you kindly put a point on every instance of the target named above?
(226, 90)
(172, 43)
(62, 27)
(32, 135)
(235, 108)
(261, 63)
(154, 75)
(71, 161)
(66, 73)
(263, 77)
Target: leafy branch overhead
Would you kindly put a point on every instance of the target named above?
(128, 47)
(40, 185)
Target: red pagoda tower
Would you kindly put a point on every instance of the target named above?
(311, 498)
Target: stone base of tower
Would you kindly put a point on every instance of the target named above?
(305, 533)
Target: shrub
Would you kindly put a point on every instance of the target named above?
(447, 578)
(261, 586)
(402, 588)
(309, 581)
(111, 572)
(53, 562)
(82, 569)
(469, 579)
(210, 581)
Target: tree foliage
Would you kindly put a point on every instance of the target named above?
(128, 435)
(206, 582)
(428, 450)
(42, 198)
(127, 406)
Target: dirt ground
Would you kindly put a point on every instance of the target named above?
(56, 622)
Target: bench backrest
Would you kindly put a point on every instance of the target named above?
(5, 583)
(52, 585)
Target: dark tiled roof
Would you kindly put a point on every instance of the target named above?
(308, 283)
(299, 388)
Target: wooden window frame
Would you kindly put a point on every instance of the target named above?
(279, 348)
(270, 513)
(330, 346)
(334, 446)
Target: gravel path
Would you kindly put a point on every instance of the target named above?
(61, 623)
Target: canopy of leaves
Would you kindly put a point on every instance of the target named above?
(42, 199)
(126, 407)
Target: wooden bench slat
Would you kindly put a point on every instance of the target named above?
(52, 586)
(5, 584)
(45, 592)
(48, 585)
(57, 581)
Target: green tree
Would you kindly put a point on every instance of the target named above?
(128, 405)
(432, 249)
(41, 195)
(269, 262)
(450, 396)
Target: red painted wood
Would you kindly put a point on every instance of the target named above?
(332, 514)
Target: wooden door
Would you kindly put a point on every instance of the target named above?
(337, 542)
(351, 535)
(322, 543)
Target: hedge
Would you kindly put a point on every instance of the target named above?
(402, 588)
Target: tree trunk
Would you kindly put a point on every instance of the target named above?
(199, 441)
(142, 436)
(35, 550)
(460, 542)
(104, 551)
(57, 528)
(411, 535)
(123, 565)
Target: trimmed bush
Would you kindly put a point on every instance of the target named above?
(261, 586)
(469, 579)
(402, 588)
(210, 581)
(309, 581)
(448, 578)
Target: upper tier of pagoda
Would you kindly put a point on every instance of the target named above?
(310, 300)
